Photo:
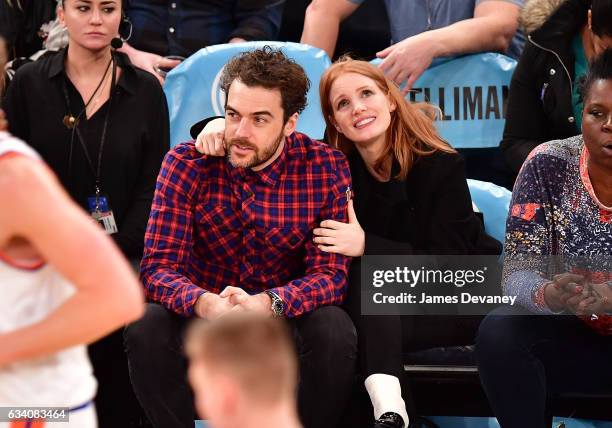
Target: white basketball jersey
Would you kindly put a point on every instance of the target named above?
(28, 295)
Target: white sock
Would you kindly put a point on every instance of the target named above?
(386, 395)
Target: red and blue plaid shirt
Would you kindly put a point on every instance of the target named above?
(214, 225)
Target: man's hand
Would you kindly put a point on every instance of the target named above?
(149, 61)
(211, 306)
(237, 40)
(407, 60)
(260, 303)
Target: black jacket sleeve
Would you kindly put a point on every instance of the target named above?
(130, 238)
(445, 220)
(454, 228)
(377, 245)
(257, 19)
(14, 106)
(526, 121)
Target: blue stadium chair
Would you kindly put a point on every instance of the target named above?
(493, 202)
(580, 423)
(470, 91)
(456, 365)
(193, 92)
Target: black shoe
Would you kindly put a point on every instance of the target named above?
(389, 420)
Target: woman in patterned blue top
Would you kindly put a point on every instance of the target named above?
(561, 207)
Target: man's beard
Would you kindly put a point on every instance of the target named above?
(258, 158)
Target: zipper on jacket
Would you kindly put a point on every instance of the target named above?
(569, 78)
(543, 91)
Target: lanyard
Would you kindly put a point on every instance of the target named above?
(97, 171)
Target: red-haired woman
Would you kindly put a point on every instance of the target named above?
(411, 197)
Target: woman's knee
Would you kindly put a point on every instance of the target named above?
(505, 329)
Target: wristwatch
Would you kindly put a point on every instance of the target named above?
(278, 307)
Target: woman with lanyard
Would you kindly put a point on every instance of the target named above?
(102, 126)
(55, 296)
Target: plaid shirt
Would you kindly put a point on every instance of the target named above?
(181, 27)
(213, 225)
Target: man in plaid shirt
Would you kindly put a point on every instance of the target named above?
(231, 234)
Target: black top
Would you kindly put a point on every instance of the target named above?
(136, 141)
(540, 99)
(173, 27)
(428, 213)
(20, 25)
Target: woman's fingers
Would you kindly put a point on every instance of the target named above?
(329, 248)
(587, 306)
(352, 217)
(219, 147)
(323, 231)
(326, 240)
(332, 224)
(563, 279)
(211, 143)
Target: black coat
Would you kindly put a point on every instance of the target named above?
(428, 213)
(540, 99)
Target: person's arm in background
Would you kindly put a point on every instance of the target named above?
(148, 61)
(130, 237)
(322, 22)
(107, 293)
(255, 21)
(491, 29)
(526, 122)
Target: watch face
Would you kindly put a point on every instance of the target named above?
(277, 307)
(277, 304)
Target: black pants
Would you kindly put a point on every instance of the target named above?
(116, 405)
(384, 338)
(522, 358)
(326, 345)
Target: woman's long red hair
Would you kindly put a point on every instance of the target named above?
(411, 132)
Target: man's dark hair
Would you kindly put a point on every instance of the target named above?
(271, 69)
(600, 68)
(601, 17)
